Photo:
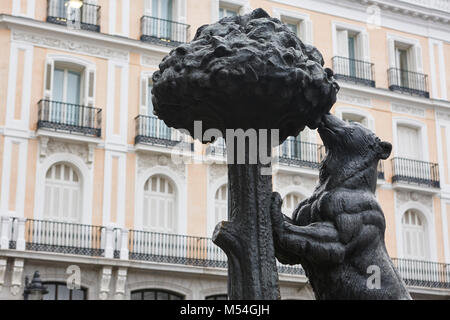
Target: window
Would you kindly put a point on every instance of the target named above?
(409, 142)
(352, 118)
(63, 199)
(300, 147)
(292, 24)
(217, 297)
(60, 291)
(227, 11)
(159, 209)
(221, 205)
(299, 23)
(414, 236)
(350, 51)
(155, 294)
(290, 202)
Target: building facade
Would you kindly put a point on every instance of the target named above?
(96, 191)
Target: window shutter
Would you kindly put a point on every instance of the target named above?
(90, 87)
(144, 94)
(48, 83)
(365, 47)
(417, 52)
(308, 31)
(342, 45)
(392, 54)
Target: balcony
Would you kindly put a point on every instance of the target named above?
(87, 17)
(381, 175)
(301, 154)
(72, 118)
(415, 172)
(161, 31)
(352, 70)
(135, 245)
(152, 131)
(408, 82)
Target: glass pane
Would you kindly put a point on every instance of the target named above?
(78, 295)
(51, 295)
(136, 296)
(149, 295)
(162, 296)
(73, 87)
(149, 100)
(63, 292)
(58, 85)
(293, 27)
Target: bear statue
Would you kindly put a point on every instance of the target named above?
(337, 235)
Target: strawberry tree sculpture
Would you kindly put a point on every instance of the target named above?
(245, 72)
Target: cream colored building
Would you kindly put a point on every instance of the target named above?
(86, 175)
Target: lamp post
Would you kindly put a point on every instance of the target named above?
(34, 290)
(76, 4)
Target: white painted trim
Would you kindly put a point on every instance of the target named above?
(121, 138)
(306, 27)
(23, 122)
(180, 186)
(84, 172)
(430, 231)
(242, 5)
(301, 190)
(162, 285)
(213, 186)
(412, 123)
(16, 8)
(347, 109)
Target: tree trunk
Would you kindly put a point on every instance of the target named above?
(247, 237)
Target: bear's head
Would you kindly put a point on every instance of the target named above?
(353, 153)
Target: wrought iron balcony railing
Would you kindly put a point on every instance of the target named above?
(409, 82)
(87, 240)
(381, 174)
(151, 130)
(303, 154)
(415, 172)
(354, 70)
(424, 273)
(163, 31)
(87, 17)
(62, 237)
(69, 117)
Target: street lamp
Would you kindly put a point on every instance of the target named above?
(34, 290)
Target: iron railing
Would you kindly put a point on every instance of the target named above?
(415, 172)
(87, 17)
(163, 31)
(409, 82)
(423, 273)
(186, 250)
(151, 130)
(299, 153)
(381, 174)
(63, 237)
(218, 148)
(69, 117)
(354, 70)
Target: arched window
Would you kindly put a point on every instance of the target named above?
(414, 236)
(159, 205)
(217, 297)
(221, 204)
(291, 201)
(63, 197)
(155, 294)
(60, 291)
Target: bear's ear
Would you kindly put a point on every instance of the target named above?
(384, 150)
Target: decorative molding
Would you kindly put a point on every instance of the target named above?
(443, 116)
(16, 279)
(405, 197)
(3, 263)
(151, 61)
(217, 171)
(354, 99)
(121, 280)
(49, 147)
(283, 181)
(146, 161)
(105, 282)
(408, 109)
(70, 45)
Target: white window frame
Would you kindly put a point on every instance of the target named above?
(422, 132)
(415, 59)
(213, 186)
(340, 111)
(363, 45)
(415, 229)
(303, 21)
(30, 9)
(242, 6)
(428, 219)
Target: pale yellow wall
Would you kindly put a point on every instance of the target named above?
(32, 160)
(6, 6)
(447, 67)
(196, 199)
(446, 161)
(438, 229)
(386, 200)
(4, 72)
(98, 187)
(130, 190)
